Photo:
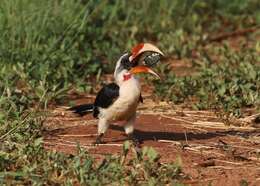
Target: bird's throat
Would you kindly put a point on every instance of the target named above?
(127, 76)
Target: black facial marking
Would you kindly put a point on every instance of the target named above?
(126, 63)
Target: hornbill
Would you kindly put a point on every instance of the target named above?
(118, 101)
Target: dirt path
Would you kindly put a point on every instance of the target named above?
(210, 151)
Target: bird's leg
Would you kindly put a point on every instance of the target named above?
(132, 137)
(129, 130)
(102, 127)
(99, 139)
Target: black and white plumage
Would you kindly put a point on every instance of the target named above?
(118, 101)
(104, 99)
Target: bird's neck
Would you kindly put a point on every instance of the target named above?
(124, 77)
(130, 88)
(127, 76)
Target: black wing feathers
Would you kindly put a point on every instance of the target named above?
(105, 97)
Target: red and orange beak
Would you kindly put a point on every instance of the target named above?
(143, 47)
(143, 69)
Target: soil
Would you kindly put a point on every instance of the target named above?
(211, 152)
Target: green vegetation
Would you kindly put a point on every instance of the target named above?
(33, 165)
(228, 85)
(49, 47)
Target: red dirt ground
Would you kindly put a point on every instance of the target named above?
(210, 151)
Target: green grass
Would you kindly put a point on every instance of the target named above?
(31, 164)
(49, 47)
(229, 84)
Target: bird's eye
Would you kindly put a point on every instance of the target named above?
(126, 63)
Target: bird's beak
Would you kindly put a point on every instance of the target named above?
(143, 69)
(143, 47)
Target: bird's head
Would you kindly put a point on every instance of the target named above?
(139, 60)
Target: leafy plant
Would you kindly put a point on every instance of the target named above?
(228, 85)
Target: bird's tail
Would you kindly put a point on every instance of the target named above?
(82, 109)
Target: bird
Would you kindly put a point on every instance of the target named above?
(118, 101)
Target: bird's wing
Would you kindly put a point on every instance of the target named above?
(106, 97)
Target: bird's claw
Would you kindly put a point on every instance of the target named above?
(137, 145)
(99, 139)
(135, 141)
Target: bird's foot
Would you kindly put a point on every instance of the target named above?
(135, 141)
(99, 139)
(137, 145)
